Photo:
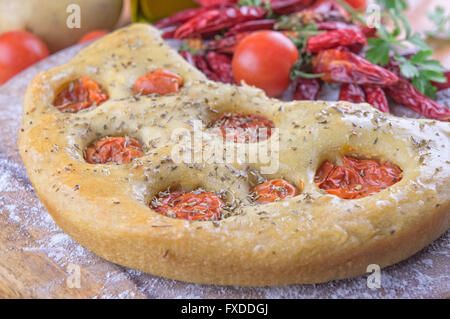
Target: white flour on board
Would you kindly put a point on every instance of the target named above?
(424, 275)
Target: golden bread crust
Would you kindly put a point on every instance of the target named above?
(314, 237)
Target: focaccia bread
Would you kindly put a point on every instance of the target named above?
(308, 238)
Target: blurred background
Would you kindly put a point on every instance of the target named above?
(47, 21)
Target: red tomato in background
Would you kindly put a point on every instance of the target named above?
(357, 4)
(93, 35)
(19, 50)
(264, 59)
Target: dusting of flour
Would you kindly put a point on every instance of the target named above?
(31, 232)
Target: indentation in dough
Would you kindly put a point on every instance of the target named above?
(80, 94)
(119, 150)
(195, 205)
(243, 128)
(356, 176)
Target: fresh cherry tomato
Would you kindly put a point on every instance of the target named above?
(119, 150)
(356, 178)
(244, 128)
(357, 4)
(160, 81)
(93, 35)
(264, 59)
(19, 50)
(190, 206)
(274, 190)
(79, 95)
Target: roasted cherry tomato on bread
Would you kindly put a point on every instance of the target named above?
(190, 206)
(264, 59)
(93, 35)
(357, 178)
(160, 82)
(79, 95)
(274, 190)
(19, 50)
(118, 150)
(242, 128)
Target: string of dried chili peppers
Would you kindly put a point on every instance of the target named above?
(333, 52)
(218, 19)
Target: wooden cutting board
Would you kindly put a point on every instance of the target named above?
(38, 260)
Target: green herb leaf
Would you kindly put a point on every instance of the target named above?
(433, 76)
(418, 41)
(432, 65)
(421, 56)
(421, 69)
(424, 86)
(379, 53)
(441, 22)
(408, 69)
(398, 5)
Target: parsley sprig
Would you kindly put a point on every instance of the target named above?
(421, 69)
(441, 22)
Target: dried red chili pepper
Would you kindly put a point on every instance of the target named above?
(283, 7)
(220, 64)
(375, 96)
(202, 64)
(169, 34)
(352, 93)
(226, 45)
(354, 40)
(406, 94)
(340, 65)
(443, 86)
(184, 16)
(393, 66)
(369, 32)
(306, 89)
(254, 25)
(218, 19)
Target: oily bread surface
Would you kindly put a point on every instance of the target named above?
(313, 237)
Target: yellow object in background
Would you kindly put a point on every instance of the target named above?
(154, 10)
